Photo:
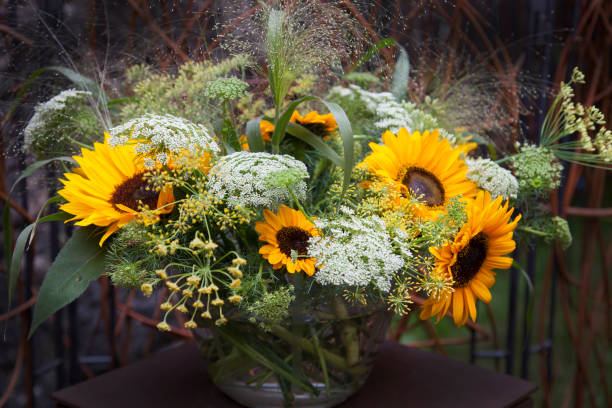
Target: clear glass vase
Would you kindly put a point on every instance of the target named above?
(314, 358)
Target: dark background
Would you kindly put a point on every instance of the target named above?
(531, 45)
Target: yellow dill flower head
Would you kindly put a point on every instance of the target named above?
(235, 283)
(161, 273)
(220, 321)
(235, 272)
(147, 289)
(239, 261)
(205, 291)
(194, 280)
(198, 304)
(190, 324)
(235, 299)
(165, 306)
(163, 326)
(206, 315)
(217, 302)
(172, 286)
(187, 293)
(182, 309)
(197, 243)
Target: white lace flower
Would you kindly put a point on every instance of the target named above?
(492, 177)
(46, 111)
(158, 135)
(257, 179)
(355, 252)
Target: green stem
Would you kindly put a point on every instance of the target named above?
(350, 337)
(331, 358)
(533, 231)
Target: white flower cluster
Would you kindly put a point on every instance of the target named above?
(158, 135)
(47, 110)
(354, 251)
(257, 179)
(370, 99)
(492, 177)
(391, 114)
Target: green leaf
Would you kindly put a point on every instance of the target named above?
(385, 42)
(300, 132)
(81, 81)
(37, 165)
(14, 261)
(253, 134)
(26, 85)
(281, 126)
(346, 132)
(399, 81)
(79, 262)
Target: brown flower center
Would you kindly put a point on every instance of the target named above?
(292, 238)
(133, 192)
(423, 184)
(469, 260)
(319, 129)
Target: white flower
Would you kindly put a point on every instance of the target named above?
(158, 135)
(355, 252)
(492, 177)
(257, 179)
(370, 99)
(47, 110)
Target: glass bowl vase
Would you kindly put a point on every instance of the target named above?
(314, 358)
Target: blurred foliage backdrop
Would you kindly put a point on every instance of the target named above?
(558, 337)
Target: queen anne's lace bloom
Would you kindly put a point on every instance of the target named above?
(492, 177)
(158, 135)
(355, 252)
(257, 179)
(54, 114)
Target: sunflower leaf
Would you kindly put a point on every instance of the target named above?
(79, 262)
(23, 240)
(253, 134)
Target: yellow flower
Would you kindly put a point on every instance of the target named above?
(421, 165)
(266, 128)
(477, 249)
(286, 232)
(320, 125)
(109, 189)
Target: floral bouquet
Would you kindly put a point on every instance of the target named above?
(287, 240)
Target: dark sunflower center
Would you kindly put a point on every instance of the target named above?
(292, 238)
(424, 184)
(318, 129)
(134, 191)
(469, 260)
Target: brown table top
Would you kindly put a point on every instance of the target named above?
(402, 376)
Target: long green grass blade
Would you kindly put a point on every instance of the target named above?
(23, 240)
(346, 132)
(300, 132)
(385, 42)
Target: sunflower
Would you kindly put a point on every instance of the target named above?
(477, 249)
(286, 232)
(421, 165)
(320, 125)
(109, 188)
